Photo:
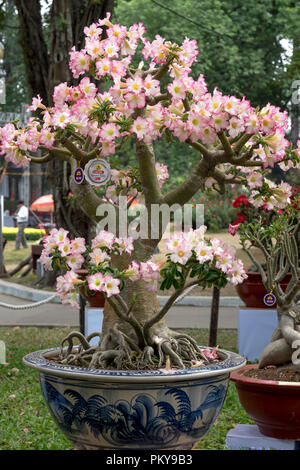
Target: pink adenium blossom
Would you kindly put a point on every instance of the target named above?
(96, 282)
(111, 285)
(211, 354)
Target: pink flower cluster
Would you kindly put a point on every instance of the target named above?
(70, 250)
(107, 284)
(74, 255)
(162, 173)
(279, 197)
(148, 271)
(181, 247)
(206, 116)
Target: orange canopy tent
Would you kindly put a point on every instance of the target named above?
(43, 204)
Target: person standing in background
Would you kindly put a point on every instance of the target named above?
(22, 221)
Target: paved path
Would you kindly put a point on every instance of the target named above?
(53, 314)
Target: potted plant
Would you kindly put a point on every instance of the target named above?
(150, 362)
(252, 289)
(270, 391)
(138, 399)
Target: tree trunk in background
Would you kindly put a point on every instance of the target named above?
(46, 69)
(61, 39)
(71, 16)
(36, 170)
(214, 317)
(34, 47)
(294, 124)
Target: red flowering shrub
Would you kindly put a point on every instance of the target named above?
(246, 212)
(240, 200)
(218, 210)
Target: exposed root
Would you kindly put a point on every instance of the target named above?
(117, 350)
(168, 349)
(93, 335)
(75, 334)
(276, 353)
(147, 355)
(194, 350)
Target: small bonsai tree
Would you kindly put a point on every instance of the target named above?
(278, 244)
(145, 101)
(191, 260)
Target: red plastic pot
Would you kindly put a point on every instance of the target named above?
(252, 290)
(97, 300)
(273, 405)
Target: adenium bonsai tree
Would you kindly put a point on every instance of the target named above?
(191, 260)
(156, 98)
(278, 242)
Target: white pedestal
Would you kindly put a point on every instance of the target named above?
(248, 436)
(255, 328)
(93, 322)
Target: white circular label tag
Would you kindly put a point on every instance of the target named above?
(97, 172)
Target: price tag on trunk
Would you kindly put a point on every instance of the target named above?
(78, 175)
(269, 299)
(97, 172)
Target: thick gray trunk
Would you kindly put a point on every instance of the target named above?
(146, 303)
(280, 349)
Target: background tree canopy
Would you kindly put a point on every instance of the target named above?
(247, 49)
(240, 48)
(242, 51)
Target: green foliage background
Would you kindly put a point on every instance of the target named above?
(241, 52)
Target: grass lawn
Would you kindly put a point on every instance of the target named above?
(12, 258)
(25, 421)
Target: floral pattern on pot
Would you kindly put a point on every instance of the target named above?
(133, 409)
(110, 416)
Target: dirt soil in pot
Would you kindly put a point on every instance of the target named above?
(284, 374)
(138, 366)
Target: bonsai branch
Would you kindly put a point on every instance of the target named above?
(225, 144)
(45, 159)
(75, 151)
(241, 142)
(160, 315)
(201, 148)
(148, 175)
(257, 264)
(124, 313)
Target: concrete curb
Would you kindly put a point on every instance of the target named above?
(26, 293)
(199, 301)
(36, 295)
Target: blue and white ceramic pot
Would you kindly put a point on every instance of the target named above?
(113, 409)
